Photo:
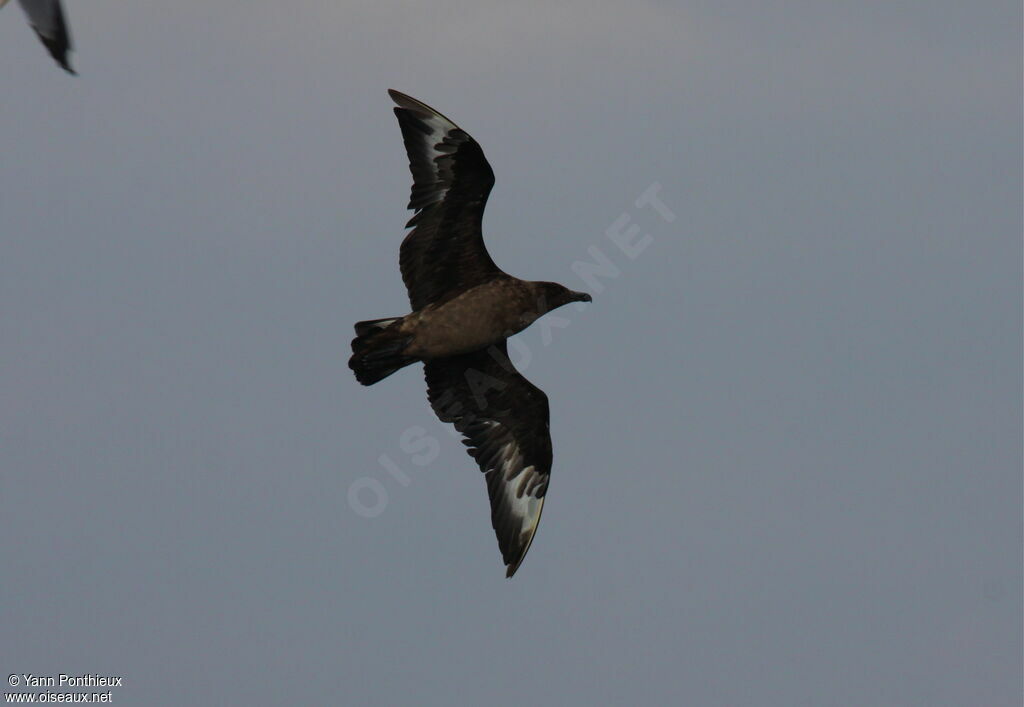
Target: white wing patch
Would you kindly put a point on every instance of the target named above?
(517, 504)
(441, 128)
(444, 140)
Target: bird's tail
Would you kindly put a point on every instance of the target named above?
(377, 350)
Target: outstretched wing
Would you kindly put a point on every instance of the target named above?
(47, 19)
(504, 419)
(444, 254)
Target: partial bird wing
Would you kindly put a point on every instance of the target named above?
(444, 254)
(504, 419)
(47, 19)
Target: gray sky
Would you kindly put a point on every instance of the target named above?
(787, 434)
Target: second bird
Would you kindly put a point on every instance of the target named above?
(47, 19)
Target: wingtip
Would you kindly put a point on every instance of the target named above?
(407, 102)
(513, 567)
(401, 98)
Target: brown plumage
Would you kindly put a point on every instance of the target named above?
(463, 309)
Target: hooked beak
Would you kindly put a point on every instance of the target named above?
(581, 297)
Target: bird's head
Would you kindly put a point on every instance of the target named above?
(552, 295)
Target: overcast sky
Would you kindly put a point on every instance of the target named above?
(787, 431)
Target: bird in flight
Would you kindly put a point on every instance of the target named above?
(463, 309)
(47, 19)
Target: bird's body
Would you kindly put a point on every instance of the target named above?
(474, 319)
(464, 309)
(47, 19)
